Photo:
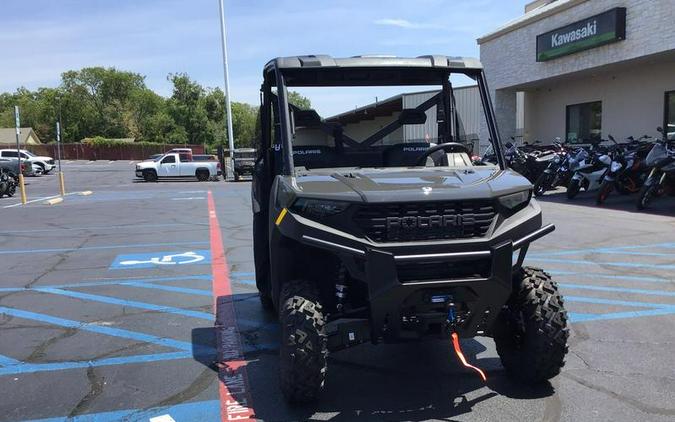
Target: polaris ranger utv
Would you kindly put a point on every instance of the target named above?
(373, 225)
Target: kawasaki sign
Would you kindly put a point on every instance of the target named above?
(588, 33)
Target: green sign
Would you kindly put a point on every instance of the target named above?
(605, 28)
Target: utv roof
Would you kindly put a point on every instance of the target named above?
(325, 61)
(321, 70)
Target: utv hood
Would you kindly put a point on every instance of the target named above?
(402, 185)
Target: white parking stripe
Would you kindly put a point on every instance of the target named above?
(39, 199)
(163, 418)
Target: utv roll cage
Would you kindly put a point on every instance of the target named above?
(326, 71)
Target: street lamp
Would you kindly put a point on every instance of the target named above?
(223, 37)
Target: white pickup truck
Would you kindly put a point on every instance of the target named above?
(177, 165)
(40, 164)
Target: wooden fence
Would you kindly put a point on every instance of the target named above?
(117, 152)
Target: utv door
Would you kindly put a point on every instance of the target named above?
(263, 176)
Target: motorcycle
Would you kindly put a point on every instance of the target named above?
(628, 170)
(7, 183)
(529, 164)
(661, 159)
(589, 168)
(556, 173)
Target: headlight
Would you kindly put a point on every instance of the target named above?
(317, 208)
(515, 201)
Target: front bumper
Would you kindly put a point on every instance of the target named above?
(244, 170)
(404, 307)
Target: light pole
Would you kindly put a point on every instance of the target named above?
(22, 186)
(223, 37)
(62, 186)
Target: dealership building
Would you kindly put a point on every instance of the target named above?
(583, 69)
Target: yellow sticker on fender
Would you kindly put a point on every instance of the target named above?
(281, 216)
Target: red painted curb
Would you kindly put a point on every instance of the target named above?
(233, 388)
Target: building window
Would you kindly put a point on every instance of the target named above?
(669, 115)
(584, 122)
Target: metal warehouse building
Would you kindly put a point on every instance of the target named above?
(364, 121)
(583, 69)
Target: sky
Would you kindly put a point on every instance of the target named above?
(40, 39)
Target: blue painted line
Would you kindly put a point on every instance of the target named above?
(599, 301)
(611, 276)
(7, 361)
(241, 274)
(618, 289)
(668, 255)
(611, 264)
(581, 317)
(88, 248)
(129, 303)
(17, 367)
(132, 280)
(99, 329)
(29, 368)
(243, 281)
(194, 411)
(112, 227)
(197, 292)
(669, 245)
(115, 282)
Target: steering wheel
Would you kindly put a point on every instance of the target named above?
(447, 147)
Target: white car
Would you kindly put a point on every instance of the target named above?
(177, 165)
(46, 163)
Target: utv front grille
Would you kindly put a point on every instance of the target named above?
(443, 270)
(407, 222)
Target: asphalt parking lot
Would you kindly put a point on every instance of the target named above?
(116, 306)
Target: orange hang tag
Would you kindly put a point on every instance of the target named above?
(460, 355)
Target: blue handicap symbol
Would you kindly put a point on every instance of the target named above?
(161, 259)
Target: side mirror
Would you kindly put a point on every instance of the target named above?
(659, 129)
(412, 117)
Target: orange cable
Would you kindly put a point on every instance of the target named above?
(460, 355)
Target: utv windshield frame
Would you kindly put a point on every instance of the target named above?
(324, 71)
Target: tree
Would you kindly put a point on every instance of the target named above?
(299, 100)
(243, 124)
(110, 103)
(186, 106)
